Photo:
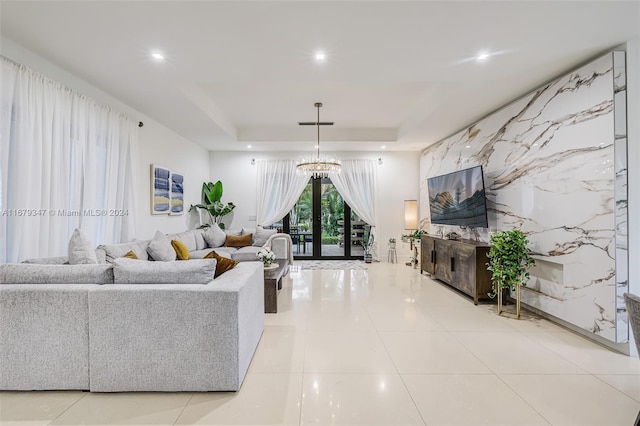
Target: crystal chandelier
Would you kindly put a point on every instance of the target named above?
(319, 167)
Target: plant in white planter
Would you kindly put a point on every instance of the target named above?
(212, 204)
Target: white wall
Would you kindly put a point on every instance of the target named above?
(397, 181)
(157, 144)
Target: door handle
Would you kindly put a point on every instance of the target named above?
(453, 264)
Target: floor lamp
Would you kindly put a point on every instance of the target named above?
(411, 224)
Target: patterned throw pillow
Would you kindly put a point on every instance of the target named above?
(224, 263)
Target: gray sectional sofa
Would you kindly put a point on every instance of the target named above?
(91, 334)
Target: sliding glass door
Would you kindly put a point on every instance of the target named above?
(322, 225)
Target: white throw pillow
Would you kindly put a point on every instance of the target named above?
(160, 248)
(262, 235)
(214, 236)
(80, 249)
(130, 271)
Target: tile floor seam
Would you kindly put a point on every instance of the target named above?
(524, 399)
(424, 421)
(175, 422)
(615, 388)
(84, 395)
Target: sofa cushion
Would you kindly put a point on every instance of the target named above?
(214, 236)
(182, 253)
(241, 241)
(160, 248)
(188, 238)
(262, 235)
(223, 264)
(59, 260)
(128, 271)
(29, 273)
(246, 254)
(114, 251)
(81, 250)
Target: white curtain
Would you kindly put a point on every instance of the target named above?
(278, 189)
(66, 162)
(357, 184)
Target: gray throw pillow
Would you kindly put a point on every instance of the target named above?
(114, 251)
(130, 271)
(29, 273)
(160, 248)
(262, 235)
(81, 250)
(214, 236)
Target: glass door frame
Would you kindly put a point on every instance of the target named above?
(316, 227)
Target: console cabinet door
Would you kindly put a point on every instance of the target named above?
(443, 261)
(463, 268)
(428, 255)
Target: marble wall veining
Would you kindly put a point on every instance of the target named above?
(554, 168)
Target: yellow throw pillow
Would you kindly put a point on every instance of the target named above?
(223, 265)
(181, 250)
(239, 241)
(131, 255)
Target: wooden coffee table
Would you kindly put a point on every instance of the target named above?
(273, 283)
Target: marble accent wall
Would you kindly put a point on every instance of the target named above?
(554, 169)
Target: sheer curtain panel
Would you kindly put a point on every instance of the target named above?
(278, 188)
(357, 184)
(66, 163)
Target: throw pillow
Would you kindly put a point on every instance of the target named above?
(160, 248)
(128, 271)
(131, 255)
(262, 235)
(182, 252)
(214, 236)
(223, 263)
(80, 249)
(241, 241)
(30, 273)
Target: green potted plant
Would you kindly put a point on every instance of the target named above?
(509, 264)
(212, 204)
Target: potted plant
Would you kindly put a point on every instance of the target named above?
(392, 243)
(211, 202)
(509, 264)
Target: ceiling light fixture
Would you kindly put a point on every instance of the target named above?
(319, 167)
(320, 56)
(157, 56)
(482, 57)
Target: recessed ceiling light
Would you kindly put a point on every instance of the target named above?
(249, 146)
(157, 56)
(316, 146)
(467, 146)
(383, 147)
(483, 56)
(320, 56)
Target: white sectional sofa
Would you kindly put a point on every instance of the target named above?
(89, 333)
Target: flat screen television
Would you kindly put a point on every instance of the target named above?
(458, 198)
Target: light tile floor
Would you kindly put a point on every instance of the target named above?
(383, 346)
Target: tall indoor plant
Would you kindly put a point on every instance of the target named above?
(509, 264)
(211, 202)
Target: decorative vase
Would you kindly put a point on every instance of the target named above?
(368, 258)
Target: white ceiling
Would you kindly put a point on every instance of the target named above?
(399, 74)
